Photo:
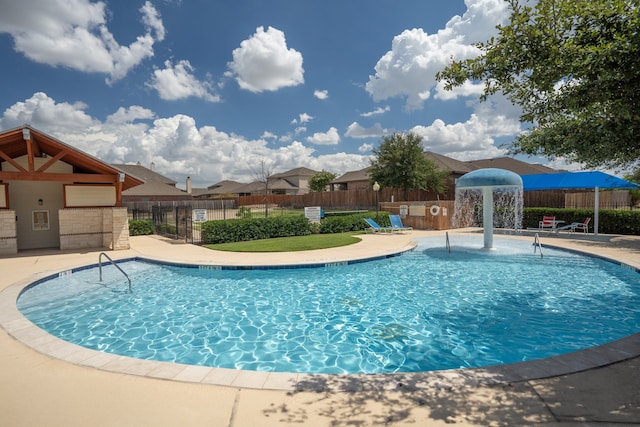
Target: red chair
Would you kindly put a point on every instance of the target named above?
(584, 226)
(547, 222)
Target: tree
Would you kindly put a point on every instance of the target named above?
(262, 174)
(400, 162)
(574, 68)
(319, 181)
(635, 194)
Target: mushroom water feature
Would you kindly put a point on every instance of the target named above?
(496, 187)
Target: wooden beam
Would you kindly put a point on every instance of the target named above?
(59, 177)
(30, 154)
(51, 161)
(119, 193)
(12, 162)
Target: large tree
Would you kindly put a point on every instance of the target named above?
(400, 162)
(320, 181)
(574, 68)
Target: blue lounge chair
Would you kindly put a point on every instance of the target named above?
(374, 227)
(396, 223)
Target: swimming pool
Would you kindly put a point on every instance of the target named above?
(349, 318)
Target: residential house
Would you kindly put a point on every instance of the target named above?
(359, 180)
(219, 190)
(293, 182)
(155, 187)
(513, 165)
(352, 180)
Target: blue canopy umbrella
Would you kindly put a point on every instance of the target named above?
(577, 180)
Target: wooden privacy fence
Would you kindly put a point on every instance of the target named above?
(338, 200)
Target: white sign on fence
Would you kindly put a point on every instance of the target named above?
(199, 215)
(312, 213)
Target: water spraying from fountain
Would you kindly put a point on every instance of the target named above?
(478, 192)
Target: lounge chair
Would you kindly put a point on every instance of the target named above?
(548, 222)
(396, 223)
(584, 226)
(374, 227)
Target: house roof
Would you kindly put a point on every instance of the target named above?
(295, 172)
(154, 184)
(224, 187)
(27, 141)
(513, 165)
(447, 164)
(281, 184)
(146, 174)
(156, 188)
(361, 175)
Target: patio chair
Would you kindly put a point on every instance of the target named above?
(397, 225)
(374, 227)
(584, 226)
(547, 222)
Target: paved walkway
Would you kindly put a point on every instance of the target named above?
(41, 384)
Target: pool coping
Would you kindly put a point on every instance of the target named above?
(37, 339)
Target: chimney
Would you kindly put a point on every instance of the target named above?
(188, 185)
(152, 167)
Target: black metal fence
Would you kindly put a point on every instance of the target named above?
(181, 220)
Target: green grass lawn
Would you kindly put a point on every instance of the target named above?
(289, 244)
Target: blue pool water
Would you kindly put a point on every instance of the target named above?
(424, 310)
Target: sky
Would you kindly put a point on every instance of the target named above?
(215, 89)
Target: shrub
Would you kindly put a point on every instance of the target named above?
(243, 229)
(609, 221)
(243, 212)
(141, 227)
(353, 222)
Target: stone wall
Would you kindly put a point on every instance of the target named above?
(8, 235)
(106, 228)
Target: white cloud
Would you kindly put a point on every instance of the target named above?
(178, 82)
(474, 138)
(321, 94)
(264, 63)
(176, 145)
(365, 148)
(409, 68)
(268, 135)
(355, 130)
(377, 111)
(330, 137)
(43, 110)
(74, 34)
(467, 89)
(302, 118)
(129, 115)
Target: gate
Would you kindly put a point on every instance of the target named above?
(174, 221)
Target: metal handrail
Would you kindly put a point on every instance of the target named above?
(447, 243)
(115, 265)
(537, 244)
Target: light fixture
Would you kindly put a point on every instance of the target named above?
(26, 134)
(40, 202)
(376, 188)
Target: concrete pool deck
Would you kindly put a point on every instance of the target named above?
(47, 382)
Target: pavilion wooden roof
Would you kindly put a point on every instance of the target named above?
(27, 141)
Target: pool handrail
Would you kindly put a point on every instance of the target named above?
(537, 244)
(115, 265)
